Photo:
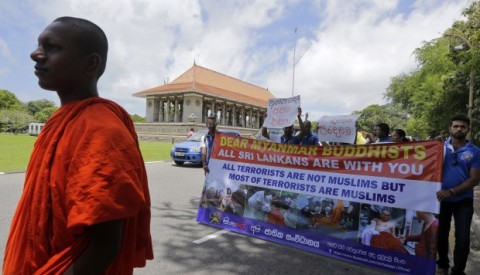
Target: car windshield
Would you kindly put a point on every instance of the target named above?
(197, 136)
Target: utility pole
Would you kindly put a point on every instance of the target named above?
(295, 59)
(294, 62)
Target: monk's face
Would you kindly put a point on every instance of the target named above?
(59, 65)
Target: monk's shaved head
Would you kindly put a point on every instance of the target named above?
(90, 38)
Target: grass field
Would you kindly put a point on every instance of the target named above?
(15, 151)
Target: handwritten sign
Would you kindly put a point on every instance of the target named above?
(281, 112)
(338, 128)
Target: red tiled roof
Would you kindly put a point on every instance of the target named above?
(210, 83)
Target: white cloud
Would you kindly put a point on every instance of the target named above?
(356, 46)
(357, 52)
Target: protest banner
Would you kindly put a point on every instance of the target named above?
(365, 204)
(281, 112)
(338, 128)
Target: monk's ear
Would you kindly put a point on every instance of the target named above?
(94, 62)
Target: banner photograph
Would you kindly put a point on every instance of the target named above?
(368, 204)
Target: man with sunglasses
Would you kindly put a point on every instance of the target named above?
(461, 173)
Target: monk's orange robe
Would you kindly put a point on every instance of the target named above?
(86, 168)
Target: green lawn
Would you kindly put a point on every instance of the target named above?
(15, 151)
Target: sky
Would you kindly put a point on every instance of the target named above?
(338, 55)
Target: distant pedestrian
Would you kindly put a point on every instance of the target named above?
(191, 132)
(207, 141)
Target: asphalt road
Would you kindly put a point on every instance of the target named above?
(179, 242)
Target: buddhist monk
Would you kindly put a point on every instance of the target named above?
(85, 207)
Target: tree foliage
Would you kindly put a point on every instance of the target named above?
(374, 114)
(14, 120)
(44, 114)
(36, 106)
(439, 87)
(137, 118)
(9, 100)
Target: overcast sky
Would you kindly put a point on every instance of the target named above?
(346, 50)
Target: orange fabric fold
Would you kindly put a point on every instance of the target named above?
(86, 168)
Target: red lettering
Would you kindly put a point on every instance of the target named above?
(281, 110)
(279, 122)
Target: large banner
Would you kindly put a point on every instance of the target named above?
(368, 204)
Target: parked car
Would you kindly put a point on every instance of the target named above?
(190, 150)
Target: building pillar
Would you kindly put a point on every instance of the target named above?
(250, 122)
(242, 116)
(257, 119)
(224, 113)
(213, 109)
(167, 110)
(160, 109)
(175, 110)
(234, 116)
(205, 107)
(155, 109)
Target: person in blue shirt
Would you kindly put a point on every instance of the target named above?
(207, 141)
(461, 173)
(309, 137)
(380, 134)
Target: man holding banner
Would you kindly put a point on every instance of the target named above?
(461, 173)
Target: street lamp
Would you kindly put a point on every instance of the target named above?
(472, 71)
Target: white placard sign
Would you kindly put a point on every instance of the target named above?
(337, 128)
(282, 112)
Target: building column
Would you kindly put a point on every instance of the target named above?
(244, 119)
(204, 110)
(234, 116)
(224, 113)
(155, 109)
(175, 110)
(161, 109)
(167, 110)
(213, 112)
(250, 113)
(257, 119)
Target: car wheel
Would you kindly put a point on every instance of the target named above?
(179, 162)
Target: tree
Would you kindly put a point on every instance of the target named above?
(374, 114)
(422, 93)
(8, 100)
(14, 120)
(137, 118)
(465, 36)
(446, 79)
(34, 107)
(44, 114)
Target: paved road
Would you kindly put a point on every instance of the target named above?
(175, 195)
